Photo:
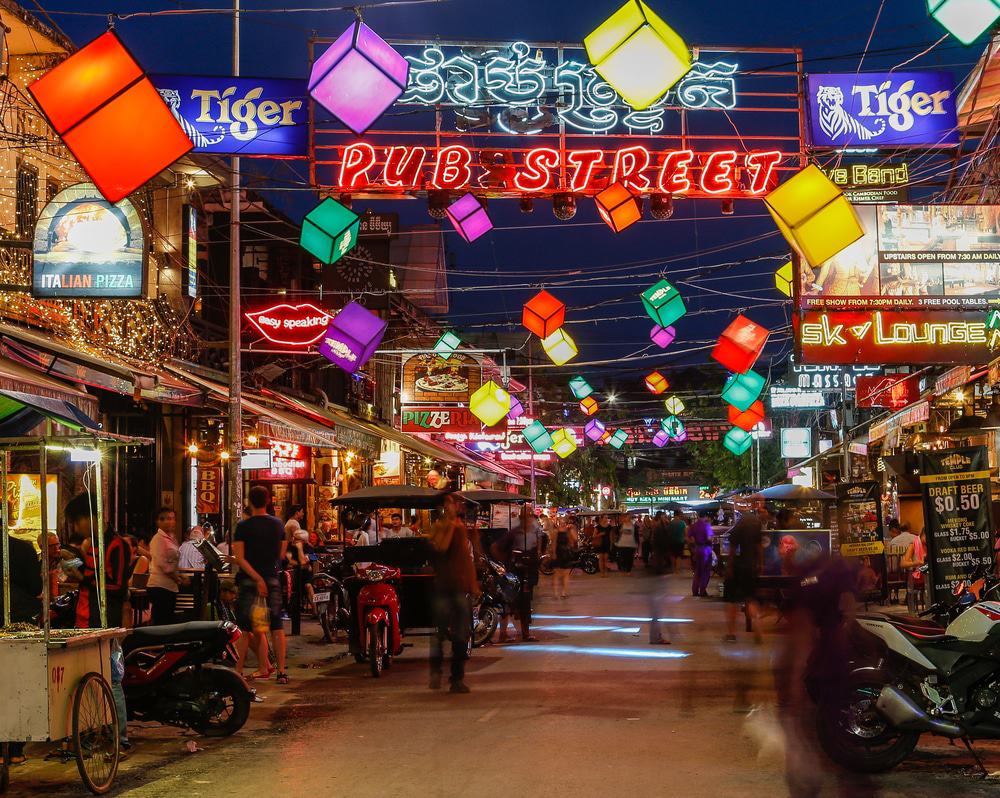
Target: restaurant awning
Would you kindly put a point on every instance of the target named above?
(15, 377)
(21, 412)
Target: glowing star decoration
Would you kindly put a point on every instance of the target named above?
(537, 436)
(749, 418)
(662, 336)
(469, 217)
(594, 429)
(618, 438)
(656, 383)
(738, 441)
(618, 207)
(516, 409)
(329, 231)
(663, 303)
(783, 279)
(674, 405)
(446, 345)
(490, 403)
(742, 390)
(110, 116)
(358, 77)
(813, 215)
(580, 388)
(966, 20)
(661, 438)
(543, 314)
(560, 347)
(740, 344)
(563, 442)
(589, 405)
(352, 337)
(638, 54)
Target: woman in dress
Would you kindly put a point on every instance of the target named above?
(567, 538)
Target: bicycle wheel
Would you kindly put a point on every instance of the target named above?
(95, 733)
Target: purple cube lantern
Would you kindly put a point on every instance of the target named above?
(661, 438)
(662, 336)
(516, 408)
(681, 436)
(352, 337)
(358, 77)
(594, 429)
(469, 217)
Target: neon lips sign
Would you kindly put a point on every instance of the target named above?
(291, 325)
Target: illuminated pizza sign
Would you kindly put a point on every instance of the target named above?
(291, 325)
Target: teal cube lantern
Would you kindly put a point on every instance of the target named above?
(618, 439)
(329, 231)
(538, 438)
(663, 303)
(580, 388)
(738, 441)
(673, 426)
(447, 344)
(742, 390)
(966, 20)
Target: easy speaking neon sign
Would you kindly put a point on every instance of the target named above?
(291, 325)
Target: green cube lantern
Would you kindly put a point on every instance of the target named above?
(738, 441)
(447, 344)
(329, 231)
(966, 20)
(538, 438)
(618, 438)
(663, 303)
(673, 426)
(580, 388)
(742, 390)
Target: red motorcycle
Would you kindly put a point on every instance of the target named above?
(377, 636)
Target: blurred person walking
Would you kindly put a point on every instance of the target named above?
(626, 545)
(676, 535)
(567, 540)
(743, 569)
(602, 543)
(699, 536)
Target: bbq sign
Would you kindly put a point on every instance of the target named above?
(291, 325)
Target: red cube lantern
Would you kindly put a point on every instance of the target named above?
(740, 344)
(110, 117)
(749, 418)
(656, 382)
(543, 314)
(618, 207)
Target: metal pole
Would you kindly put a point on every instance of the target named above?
(43, 472)
(6, 543)
(235, 365)
(531, 414)
(99, 565)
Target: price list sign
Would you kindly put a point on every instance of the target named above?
(859, 527)
(956, 488)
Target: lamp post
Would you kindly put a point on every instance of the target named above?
(235, 365)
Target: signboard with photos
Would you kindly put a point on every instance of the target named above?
(429, 378)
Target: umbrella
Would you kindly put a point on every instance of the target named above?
(793, 493)
(21, 412)
(493, 497)
(395, 496)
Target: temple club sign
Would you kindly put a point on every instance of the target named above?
(291, 325)
(364, 168)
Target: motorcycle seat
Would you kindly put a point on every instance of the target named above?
(192, 632)
(913, 626)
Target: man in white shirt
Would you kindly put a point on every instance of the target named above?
(164, 578)
(396, 528)
(190, 557)
(901, 543)
(294, 523)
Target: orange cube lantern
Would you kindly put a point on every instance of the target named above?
(543, 314)
(618, 207)
(110, 117)
(749, 418)
(740, 344)
(589, 405)
(656, 382)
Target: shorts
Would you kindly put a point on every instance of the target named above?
(739, 588)
(247, 598)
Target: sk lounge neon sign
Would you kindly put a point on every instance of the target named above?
(826, 333)
(291, 325)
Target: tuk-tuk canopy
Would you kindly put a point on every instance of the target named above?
(409, 496)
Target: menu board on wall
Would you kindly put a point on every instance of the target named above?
(956, 488)
(859, 528)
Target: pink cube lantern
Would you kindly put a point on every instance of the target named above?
(681, 436)
(358, 77)
(662, 336)
(516, 408)
(661, 438)
(594, 429)
(469, 217)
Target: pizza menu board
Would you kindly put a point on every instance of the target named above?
(956, 490)
(859, 527)
(430, 378)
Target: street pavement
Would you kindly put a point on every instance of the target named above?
(591, 709)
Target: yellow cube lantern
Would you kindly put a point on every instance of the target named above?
(638, 54)
(589, 405)
(674, 405)
(783, 279)
(563, 442)
(560, 347)
(813, 215)
(490, 403)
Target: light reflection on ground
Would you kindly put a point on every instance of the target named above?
(601, 651)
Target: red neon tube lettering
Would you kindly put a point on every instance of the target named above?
(674, 172)
(762, 166)
(453, 168)
(630, 163)
(583, 162)
(359, 158)
(539, 164)
(717, 174)
(403, 165)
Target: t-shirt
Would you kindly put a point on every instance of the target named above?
(677, 531)
(901, 543)
(291, 527)
(261, 536)
(165, 554)
(744, 544)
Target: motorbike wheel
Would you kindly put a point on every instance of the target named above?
(375, 650)
(589, 565)
(545, 567)
(486, 624)
(225, 703)
(325, 623)
(856, 736)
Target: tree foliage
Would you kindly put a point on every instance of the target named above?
(725, 471)
(579, 475)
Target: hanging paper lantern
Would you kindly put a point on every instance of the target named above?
(661, 438)
(110, 116)
(606, 436)
(618, 438)
(662, 336)
(469, 217)
(516, 408)
(594, 429)
(618, 207)
(638, 54)
(966, 20)
(663, 303)
(742, 390)
(656, 382)
(749, 418)
(537, 436)
(580, 388)
(358, 77)
(673, 426)
(589, 405)
(674, 405)
(681, 436)
(783, 279)
(560, 347)
(329, 231)
(737, 441)
(563, 442)
(543, 314)
(447, 344)
(813, 215)
(352, 337)
(740, 344)
(490, 403)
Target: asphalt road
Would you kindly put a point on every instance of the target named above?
(590, 710)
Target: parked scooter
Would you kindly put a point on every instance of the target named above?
(171, 677)
(585, 558)
(499, 591)
(377, 618)
(332, 605)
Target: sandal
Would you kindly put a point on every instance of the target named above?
(282, 678)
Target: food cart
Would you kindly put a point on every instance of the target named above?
(57, 682)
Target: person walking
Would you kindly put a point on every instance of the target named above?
(661, 544)
(646, 539)
(164, 577)
(567, 539)
(602, 543)
(79, 512)
(626, 545)
(676, 534)
(699, 536)
(743, 569)
(911, 562)
(455, 587)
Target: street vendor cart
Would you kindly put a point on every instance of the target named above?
(57, 683)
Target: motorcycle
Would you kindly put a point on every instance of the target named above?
(332, 605)
(584, 558)
(500, 589)
(171, 677)
(377, 615)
